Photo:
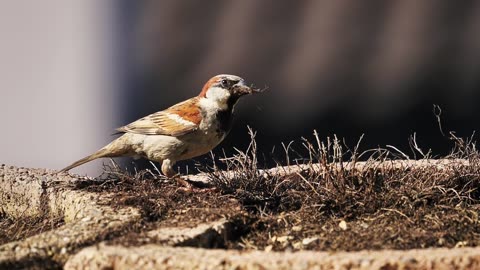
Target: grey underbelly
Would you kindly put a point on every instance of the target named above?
(199, 145)
(160, 147)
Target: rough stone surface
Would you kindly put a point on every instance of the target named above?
(44, 192)
(156, 257)
(88, 219)
(207, 235)
(23, 191)
(445, 164)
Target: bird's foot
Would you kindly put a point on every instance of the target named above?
(193, 186)
(183, 182)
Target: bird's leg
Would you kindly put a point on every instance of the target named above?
(168, 171)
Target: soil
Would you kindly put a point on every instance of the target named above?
(19, 229)
(166, 204)
(333, 208)
(330, 211)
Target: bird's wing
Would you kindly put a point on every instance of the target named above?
(180, 119)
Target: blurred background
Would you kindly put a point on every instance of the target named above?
(72, 71)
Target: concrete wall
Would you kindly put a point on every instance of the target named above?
(56, 81)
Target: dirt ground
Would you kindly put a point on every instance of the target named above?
(332, 209)
(401, 210)
(17, 229)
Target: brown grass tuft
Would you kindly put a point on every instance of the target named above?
(332, 204)
(337, 198)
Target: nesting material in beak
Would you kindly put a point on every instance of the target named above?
(241, 89)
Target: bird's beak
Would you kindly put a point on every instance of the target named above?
(242, 89)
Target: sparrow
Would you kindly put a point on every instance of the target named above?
(183, 131)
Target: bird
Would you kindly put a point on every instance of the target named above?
(183, 131)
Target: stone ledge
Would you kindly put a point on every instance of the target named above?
(206, 235)
(444, 164)
(88, 218)
(37, 192)
(157, 257)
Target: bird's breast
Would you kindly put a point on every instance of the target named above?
(224, 122)
(216, 122)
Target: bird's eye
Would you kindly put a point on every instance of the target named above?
(224, 83)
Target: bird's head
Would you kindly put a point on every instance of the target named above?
(226, 89)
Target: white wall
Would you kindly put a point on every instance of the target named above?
(56, 81)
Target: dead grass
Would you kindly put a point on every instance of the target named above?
(340, 208)
(328, 205)
(18, 229)
(163, 203)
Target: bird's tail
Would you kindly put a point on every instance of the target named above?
(113, 149)
(99, 154)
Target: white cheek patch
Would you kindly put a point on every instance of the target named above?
(218, 94)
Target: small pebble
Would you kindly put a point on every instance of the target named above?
(343, 225)
(296, 228)
(308, 241)
(297, 245)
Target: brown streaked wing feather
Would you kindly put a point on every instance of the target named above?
(160, 123)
